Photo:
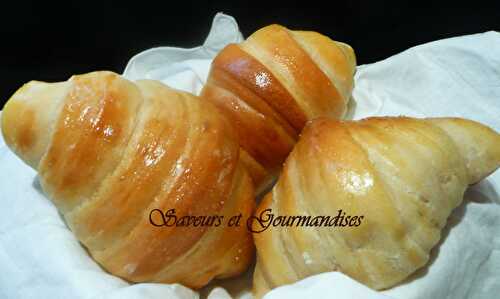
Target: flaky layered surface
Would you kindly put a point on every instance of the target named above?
(403, 175)
(272, 83)
(109, 151)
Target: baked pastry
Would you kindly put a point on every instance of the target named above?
(399, 178)
(271, 84)
(121, 159)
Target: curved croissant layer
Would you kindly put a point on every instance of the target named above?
(272, 83)
(404, 176)
(109, 151)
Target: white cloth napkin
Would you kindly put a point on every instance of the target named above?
(40, 257)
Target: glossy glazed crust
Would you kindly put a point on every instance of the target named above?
(270, 85)
(110, 151)
(403, 175)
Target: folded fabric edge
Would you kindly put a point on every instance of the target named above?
(213, 43)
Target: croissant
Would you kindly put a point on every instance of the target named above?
(271, 84)
(390, 183)
(110, 152)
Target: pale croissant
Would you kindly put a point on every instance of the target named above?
(109, 151)
(402, 176)
(271, 84)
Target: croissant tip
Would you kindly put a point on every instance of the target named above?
(10, 110)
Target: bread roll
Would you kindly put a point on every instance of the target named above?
(400, 177)
(115, 155)
(271, 84)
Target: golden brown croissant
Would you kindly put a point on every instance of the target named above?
(114, 155)
(391, 183)
(271, 84)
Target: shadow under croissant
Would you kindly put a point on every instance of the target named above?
(482, 192)
(237, 287)
(38, 188)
